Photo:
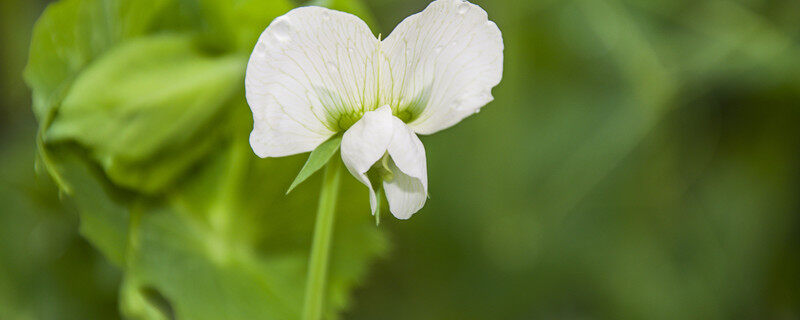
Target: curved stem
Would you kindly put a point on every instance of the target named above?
(321, 244)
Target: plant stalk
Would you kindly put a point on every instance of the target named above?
(321, 244)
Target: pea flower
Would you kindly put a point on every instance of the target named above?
(316, 73)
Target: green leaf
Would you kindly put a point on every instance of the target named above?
(104, 219)
(46, 270)
(213, 250)
(67, 37)
(70, 34)
(161, 93)
(143, 302)
(318, 158)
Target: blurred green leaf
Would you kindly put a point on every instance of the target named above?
(104, 216)
(144, 303)
(159, 94)
(318, 158)
(66, 38)
(216, 255)
(71, 34)
(47, 271)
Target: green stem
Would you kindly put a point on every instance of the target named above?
(321, 245)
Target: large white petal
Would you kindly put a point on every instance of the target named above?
(443, 63)
(309, 68)
(408, 190)
(365, 143)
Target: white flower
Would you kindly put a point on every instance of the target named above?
(317, 72)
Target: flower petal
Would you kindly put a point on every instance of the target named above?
(408, 190)
(408, 153)
(444, 61)
(405, 194)
(365, 143)
(311, 68)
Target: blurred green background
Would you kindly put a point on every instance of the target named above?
(640, 161)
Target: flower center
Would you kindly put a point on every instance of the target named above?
(381, 171)
(409, 110)
(347, 119)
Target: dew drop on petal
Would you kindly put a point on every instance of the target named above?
(438, 49)
(326, 16)
(463, 7)
(280, 29)
(457, 103)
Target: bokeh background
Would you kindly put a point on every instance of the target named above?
(640, 161)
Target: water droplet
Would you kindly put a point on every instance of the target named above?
(454, 43)
(326, 16)
(478, 110)
(438, 49)
(350, 50)
(458, 102)
(463, 7)
(280, 29)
